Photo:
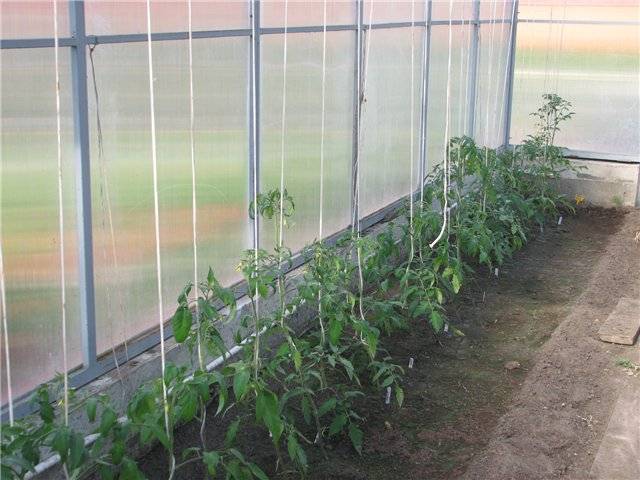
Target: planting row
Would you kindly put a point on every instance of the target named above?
(303, 389)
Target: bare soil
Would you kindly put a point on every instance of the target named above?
(465, 414)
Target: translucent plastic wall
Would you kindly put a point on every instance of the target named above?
(410, 74)
(588, 53)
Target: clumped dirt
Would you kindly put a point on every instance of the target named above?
(525, 394)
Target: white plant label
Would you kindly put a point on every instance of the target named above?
(446, 328)
(387, 400)
(560, 220)
(496, 271)
(410, 362)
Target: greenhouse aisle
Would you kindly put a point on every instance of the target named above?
(578, 388)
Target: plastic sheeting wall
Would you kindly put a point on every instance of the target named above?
(588, 53)
(121, 202)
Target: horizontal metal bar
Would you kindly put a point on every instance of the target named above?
(597, 156)
(605, 157)
(165, 36)
(240, 32)
(579, 22)
(35, 43)
(307, 29)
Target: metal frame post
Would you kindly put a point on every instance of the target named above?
(508, 101)
(83, 183)
(254, 101)
(357, 112)
(425, 93)
(473, 69)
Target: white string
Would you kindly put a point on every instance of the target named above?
(106, 207)
(548, 48)
(361, 102)
(284, 125)
(5, 328)
(322, 115)
(194, 206)
(156, 213)
(461, 78)
(489, 75)
(468, 74)
(445, 207)
(496, 116)
(358, 150)
(560, 45)
(63, 285)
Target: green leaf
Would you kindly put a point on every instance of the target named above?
(130, 471)
(60, 442)
(355, 434)
(296, 452)
(118, 449)
(337, 424)
(211, 460)
(181, 323)
(335, 330)
(437, 322)
(76, 451)
(327, 406)
(232, 431)
(267, 411)
(257, 472)
(108, 420)
(240, 382)
(188, 403)
(456, 282)
(91, 407)
(297, 359)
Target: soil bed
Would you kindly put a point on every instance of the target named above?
(459, 388)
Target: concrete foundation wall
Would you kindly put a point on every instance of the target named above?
(603, 183)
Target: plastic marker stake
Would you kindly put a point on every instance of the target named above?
(410, 362)
(495, 272)
(446, 328)
(560, 220)
(387, 400)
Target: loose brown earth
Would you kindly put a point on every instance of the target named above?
(465, 414)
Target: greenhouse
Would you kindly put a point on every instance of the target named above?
(320, 239)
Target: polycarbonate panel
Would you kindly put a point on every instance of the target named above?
(384, 11)
(599, 10)
(130, 16)
(32, 19)
(125, 268)
(491, 89)
(307, 13)
(303, 131)
(461, 10)
(29, 216)
(459, 87)
(496, 10)
(385, 162)
(596, 68)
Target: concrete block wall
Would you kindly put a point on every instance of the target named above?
(603, 183)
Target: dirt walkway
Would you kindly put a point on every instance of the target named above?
(555, 423)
